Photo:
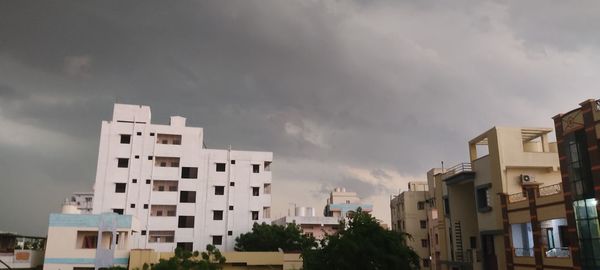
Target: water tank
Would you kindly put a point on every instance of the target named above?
(303, 211)
(70, 209)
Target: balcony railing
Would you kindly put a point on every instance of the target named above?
(558, 252)
(517, 197)
(550, 190)
(458, 168)
(523, 252)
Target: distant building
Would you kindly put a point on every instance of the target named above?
(20, 251)
(85, 241)
(83, 201)
(183, 194)
(340, 202)
(409, 215)
(310, 224)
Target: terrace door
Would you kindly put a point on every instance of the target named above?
(490, 261)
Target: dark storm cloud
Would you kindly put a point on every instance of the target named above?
(387, 88)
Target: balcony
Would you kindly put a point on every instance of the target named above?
(460, 173)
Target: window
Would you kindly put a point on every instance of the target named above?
(144, 232)
(255, 168)
(161, 237)
(266, 212)
(118, 211)
(187, 246)
(146, 206)
(151, 133)
(231, 207)
(267, 189)
(148, 181)
(483, 198)
(125, 138)
(255, 191)
(425, 262)
(217, 240)
(134, 181)
(217, 214)
(186, 222)
(446, 206)
(229, 232)
(122, 162)
(187, 196)
(233, 162)
(120, 187)
(150, 158)
(139, 133)
(132, 205)
(424, 243)
(267, 166)
(189, 172)
(88, 239)
(423, 224)
(421, 205)
(473, 242)
(232, 184)
(254, 215)
(220, 167)
(137, 157)
(219, 190)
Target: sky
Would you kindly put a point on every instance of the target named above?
(365, 95)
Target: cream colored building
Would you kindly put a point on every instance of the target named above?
(234, 260)
(341, 201)
(501, 160)
(409, 215)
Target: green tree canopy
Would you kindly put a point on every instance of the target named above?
(362, 244)
(265, 237)
(211, 259)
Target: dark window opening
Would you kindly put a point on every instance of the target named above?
(255, 191)
(255, 168)
(122, 162)
(483, 198)
(254, 215)
(148, 181)
(423, 224)
(118, 211)
(187, 196)
(151, 133)
(145, 206)
(143, 232)
(420, 205)
(233, 162)
(139, 133)
(134, 181)
(189, 172)
(232, 184)
(229, 232)
(219, 190)
(186, 222)
(218, 215)
(125, 138)
(231, 207)
(220, 167)
(137, 157)
(120, 187)
(132, 205)
(187, 246)
(217, 240)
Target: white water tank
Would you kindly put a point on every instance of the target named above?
(69, 208)
(303, 211)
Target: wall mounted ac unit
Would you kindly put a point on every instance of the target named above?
(527, 179)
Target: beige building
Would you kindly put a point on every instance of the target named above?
(503, 160)
(341, 201)
(409, 215)
(234, 260)
(310, 224)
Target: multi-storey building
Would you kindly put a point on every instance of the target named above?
(183, 194)
(340, 202)
(410, 216)
(436, 226)
(483, 226)
(578, 137)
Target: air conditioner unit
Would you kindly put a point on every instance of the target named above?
(527, 179)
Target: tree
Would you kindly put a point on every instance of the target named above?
(265, 237)
(362, 244)
(211, 259)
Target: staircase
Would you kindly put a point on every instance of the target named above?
(459, 242)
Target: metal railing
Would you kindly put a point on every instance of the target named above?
(523, 252)
(550, 190)
(517, 197)
(458, 168)
(557, 252)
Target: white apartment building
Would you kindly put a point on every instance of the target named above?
(183, 194)
(82, 200)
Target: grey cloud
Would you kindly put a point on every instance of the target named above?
(381, 84)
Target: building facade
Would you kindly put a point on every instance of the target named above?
(85, 241)
(578, 137)
(504, 161)
(409, 215)
(183, 194)
(340, 202)
(83, 200)
(316, 226)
